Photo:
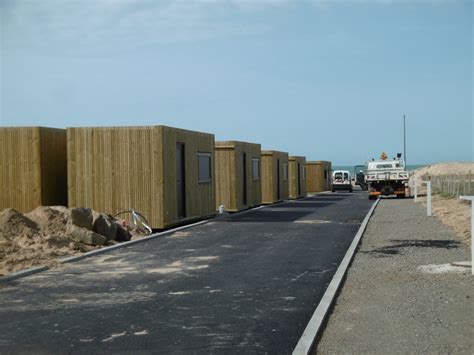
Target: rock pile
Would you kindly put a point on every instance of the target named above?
(46, 233)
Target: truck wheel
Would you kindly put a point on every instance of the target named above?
(350, 190)
(401, 196)
(371, 197)
(333, 190)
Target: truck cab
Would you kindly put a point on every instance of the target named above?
(341, 180)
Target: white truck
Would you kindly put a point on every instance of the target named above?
(386, 177)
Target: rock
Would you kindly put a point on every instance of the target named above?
(86, 236)
(123, 235)
(104, 225)
(81, 217)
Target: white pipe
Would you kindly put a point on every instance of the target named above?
(471, 198)
(428, 197)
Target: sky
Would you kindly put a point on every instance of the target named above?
(326, 79)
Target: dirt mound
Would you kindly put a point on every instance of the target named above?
(14, 225)
(49, 220)
(442, 169)
(47, 233)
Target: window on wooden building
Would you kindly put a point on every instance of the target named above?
(285, 172)
(204, 167)
(256, 169)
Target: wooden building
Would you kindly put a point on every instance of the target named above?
(166, 174)
(237, 170)
(274, 176)
(33, 168)
(297, 176)
(318, 176)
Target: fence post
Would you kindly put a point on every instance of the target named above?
(428, 198)
(416, 191)
(471, 198)
(470, 192)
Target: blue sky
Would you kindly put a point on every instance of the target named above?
(326, 79)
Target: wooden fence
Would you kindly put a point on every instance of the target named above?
(452, 185)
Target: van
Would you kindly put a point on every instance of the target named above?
(341, 180)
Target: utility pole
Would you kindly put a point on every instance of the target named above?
(404, 141)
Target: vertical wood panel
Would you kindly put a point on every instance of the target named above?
(32, 167)
(293, 176)
(112, 169)
(229, 175)
(270, 175)
(316, 180)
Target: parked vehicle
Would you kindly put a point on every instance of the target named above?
(341, 180)
(386, 177)
(359, 173)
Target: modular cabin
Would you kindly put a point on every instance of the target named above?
(237, 170)
(297, 177)
(33, 168)
(274, 176)
(164, 173)
(318, 176)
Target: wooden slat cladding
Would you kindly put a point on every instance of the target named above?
(200, 196)
(112, 169)
(271, 159)
(32, 168)
(297, 171)
(229, 172)
(318, 175)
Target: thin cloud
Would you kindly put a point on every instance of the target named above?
(41, 24)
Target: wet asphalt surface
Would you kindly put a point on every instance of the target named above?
(246, 283)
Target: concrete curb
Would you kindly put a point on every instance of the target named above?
(314, 326)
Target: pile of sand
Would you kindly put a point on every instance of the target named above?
(46, 234)
(442, 169)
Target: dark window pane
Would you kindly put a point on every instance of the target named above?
(256, 169)
(204, 167)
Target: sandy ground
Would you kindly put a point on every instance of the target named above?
(452, 212)
(401, 294)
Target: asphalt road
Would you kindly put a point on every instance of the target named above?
(246, 283)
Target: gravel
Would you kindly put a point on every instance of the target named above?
(390, 303)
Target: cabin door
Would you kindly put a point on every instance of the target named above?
(244, 179)
(180, 180)
(299, 179)
(278, 179)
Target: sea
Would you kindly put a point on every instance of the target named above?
(410, 167)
